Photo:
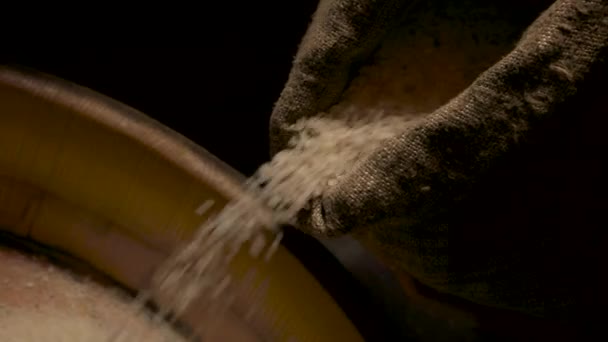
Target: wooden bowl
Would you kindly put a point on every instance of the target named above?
(93, 178)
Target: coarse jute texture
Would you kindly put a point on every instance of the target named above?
(409, 184)
(496, 196)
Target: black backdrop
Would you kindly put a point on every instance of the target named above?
(214, 79)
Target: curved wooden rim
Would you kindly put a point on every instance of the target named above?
(128, 122)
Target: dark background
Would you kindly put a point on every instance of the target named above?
(214, 79)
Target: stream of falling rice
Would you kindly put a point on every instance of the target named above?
(323, 149)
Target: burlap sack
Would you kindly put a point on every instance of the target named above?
(498, 196)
